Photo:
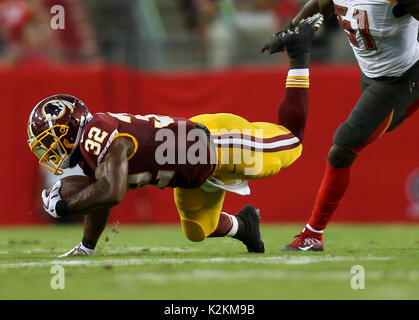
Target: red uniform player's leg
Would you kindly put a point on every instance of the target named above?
(332, 189)
(370, 118)
(335, 182)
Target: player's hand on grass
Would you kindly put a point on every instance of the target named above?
(79, 250)
(50, 200)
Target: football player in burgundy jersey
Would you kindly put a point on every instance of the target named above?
(200, 158)
(383, 35)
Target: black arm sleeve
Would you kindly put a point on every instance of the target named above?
(399, 10)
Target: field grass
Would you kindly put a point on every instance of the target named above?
(158, 263)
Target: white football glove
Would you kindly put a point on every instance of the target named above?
(50, 200)
(79, 250)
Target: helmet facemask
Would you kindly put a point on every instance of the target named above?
(49, 148)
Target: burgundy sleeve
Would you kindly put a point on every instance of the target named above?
(97, 137)
(293, 109)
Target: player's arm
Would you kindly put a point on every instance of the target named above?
(111, 181)
(96, 200)
(404, 7)
(325, 7)
(311, 8)
(413, 9)
(107, 191)
(94, 224)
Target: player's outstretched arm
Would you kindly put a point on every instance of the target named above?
(413, 9)
(96, 200)
(296, 40)
(310, 9)
(94, 224)
(325, 7)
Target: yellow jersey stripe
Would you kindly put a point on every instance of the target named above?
(297, 86)
(297, 77)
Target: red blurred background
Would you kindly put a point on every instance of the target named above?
(385, 179)
(182, 58)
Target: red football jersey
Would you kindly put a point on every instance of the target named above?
(164, 147)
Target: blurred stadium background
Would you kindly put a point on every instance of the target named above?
(181, 58)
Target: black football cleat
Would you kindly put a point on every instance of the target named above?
(251, 236)
(304, 243)
(296, 40)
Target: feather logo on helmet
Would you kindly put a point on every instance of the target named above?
(56, 109)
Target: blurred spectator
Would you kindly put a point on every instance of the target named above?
(25, 30)
(28, 37)
(197, 14)
(153, 34)
(222, 35)
(191, 12)
(118, 27)
(254, 5)
(75, 43)
(197, 17)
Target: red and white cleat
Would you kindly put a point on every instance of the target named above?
(304, 243)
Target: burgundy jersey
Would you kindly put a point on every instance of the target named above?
(164, 153)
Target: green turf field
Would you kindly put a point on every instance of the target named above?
(159, 263)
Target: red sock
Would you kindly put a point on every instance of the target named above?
(333, 187)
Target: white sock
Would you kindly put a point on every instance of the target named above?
(234, 227)
(88, 251)
(312, 229)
